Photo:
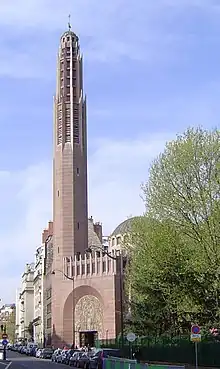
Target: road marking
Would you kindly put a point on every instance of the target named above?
(7, 365)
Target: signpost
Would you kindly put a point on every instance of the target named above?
(4, 342)
(196, 337)
(131, 337)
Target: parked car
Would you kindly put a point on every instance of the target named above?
(35, 350)
(38, 353)
(30, 347)
(74, 358)
(84, 360)
(96, 361)
(68, 355)
(61, 356)
(24, 350)
(46, 353)
(56, 353)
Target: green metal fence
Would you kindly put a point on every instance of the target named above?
(171, 350)
(116, 363)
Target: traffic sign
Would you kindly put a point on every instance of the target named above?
(4, 336)
(5, 342)
(131, 337)
(195, 329)
(195, 337)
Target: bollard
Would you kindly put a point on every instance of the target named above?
(4, 353)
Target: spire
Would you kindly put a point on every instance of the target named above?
(69, 23)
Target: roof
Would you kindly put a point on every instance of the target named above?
(69, 33)
(93, 239)
(124, 227)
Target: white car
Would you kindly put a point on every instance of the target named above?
(38, 353)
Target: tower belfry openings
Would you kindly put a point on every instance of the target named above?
(70, 150)
(69, 95)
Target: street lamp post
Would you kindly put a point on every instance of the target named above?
(70, 279)
(96, 248)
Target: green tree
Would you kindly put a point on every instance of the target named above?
(184, 186)
(159, 264)
(174, 262)
(10, 326)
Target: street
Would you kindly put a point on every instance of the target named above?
(18, 361)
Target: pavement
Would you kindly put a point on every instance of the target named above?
(18, 361)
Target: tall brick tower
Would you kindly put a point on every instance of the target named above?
(70, 152)
(70, 210)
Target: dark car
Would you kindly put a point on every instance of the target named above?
(32, 351)
(68, 355)
(75, 357)
(83, 361)
(96, 361)
(46, 353)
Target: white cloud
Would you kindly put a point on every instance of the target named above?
(116, 169)
(139, 30)
(25, 198)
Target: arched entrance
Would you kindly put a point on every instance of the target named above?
(88, 315)
(89, 320)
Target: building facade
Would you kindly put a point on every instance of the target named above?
(38, 297)
(26, 303)
(6, 310)
(88, 284)
(7, 319)
(47, 285)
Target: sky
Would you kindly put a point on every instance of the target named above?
(151, 69)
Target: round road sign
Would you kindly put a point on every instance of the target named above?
(195, 329)
(131, 337)
(5, 342)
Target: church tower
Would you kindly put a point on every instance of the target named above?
(70, 209)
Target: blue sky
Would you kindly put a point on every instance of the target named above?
(151, 69)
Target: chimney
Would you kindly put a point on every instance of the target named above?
(45, 234)
(98, 230)
(50, 228)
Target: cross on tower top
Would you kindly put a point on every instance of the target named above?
(69, 23)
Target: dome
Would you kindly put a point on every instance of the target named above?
(124, 227)
(93, 239)
(69, 33)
